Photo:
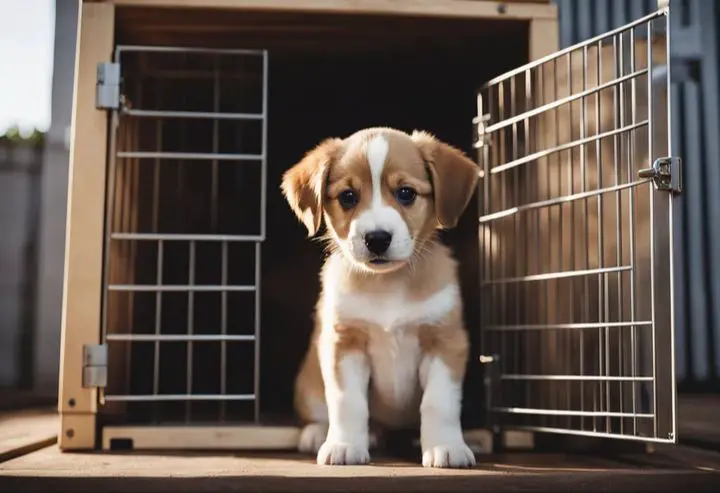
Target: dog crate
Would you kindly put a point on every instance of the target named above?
(190, 285)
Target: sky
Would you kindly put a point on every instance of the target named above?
(26, 51)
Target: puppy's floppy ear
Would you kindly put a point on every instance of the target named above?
(454, 177)
(303, 184)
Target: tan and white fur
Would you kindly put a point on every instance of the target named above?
(389, 346)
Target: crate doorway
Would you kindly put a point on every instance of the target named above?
(211, 281)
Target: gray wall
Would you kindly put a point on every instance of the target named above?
(19, 171)
(53, 204)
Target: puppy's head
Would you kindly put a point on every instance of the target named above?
(382, 193)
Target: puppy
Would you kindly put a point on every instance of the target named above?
(389, 344)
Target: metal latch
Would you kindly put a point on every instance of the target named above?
(95, 357)
(490, 381)
(665, 173)
(107, 92)
(480, 125)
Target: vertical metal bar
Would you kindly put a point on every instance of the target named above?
(672, 215)
(133, 169)
(263, 172)
(190, 329)
(602, 278)
(223, 329)
(487, 250)
(619, 121)
(516, 236)
(125, 226)
(482, 260)
(541, 398)
(529, 290)
(499, 291)
(214, 225)
(586, 235)
(256, 373)
(650, 190)
(559, 247)
(160, 254)
(538, 306)
(215, 145)
(569, 337)
(630, 168)
(490, 316)
(158, 318)
(258, 252)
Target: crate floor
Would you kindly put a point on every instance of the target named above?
(50, 470)
(41, 467)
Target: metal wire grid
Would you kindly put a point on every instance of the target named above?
(186, 218)
(576, 273)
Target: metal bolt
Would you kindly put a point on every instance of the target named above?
(70, 433)
(71, 403)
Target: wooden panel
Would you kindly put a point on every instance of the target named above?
(236, 438)
(85, 213)
(433, 8)
(204, 437)
(543, 38)
(306, 31)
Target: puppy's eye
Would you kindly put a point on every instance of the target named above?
(405, 195)
(348, 199)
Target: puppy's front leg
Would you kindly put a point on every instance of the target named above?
(441, 435)
(346, 374)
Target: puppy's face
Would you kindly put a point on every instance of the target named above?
(382, 193)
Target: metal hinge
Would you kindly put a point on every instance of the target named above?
(95, 357)
(666, 174)
(107, 92)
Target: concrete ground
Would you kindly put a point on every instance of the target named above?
(30, 461)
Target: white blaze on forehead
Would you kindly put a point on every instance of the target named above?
(377, 151)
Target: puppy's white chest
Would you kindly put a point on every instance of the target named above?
(390, 310)
(395, 360)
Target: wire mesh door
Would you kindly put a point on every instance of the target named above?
(184, 228)
(575, 233)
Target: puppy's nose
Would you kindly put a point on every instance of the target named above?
(378, 241)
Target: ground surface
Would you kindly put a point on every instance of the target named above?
(31, 462)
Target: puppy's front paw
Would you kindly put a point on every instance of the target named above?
(312, 437)
(342, 454)
(454, 455)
